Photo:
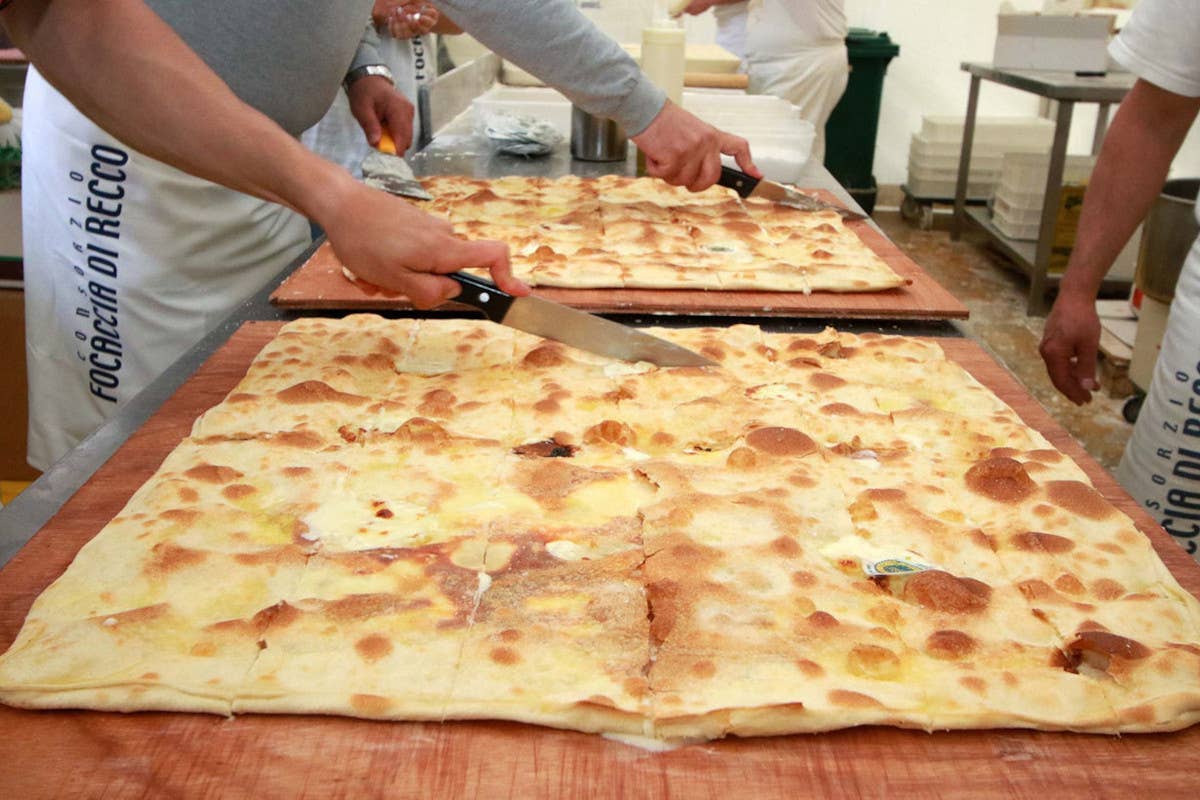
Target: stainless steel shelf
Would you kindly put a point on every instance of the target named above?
(1020, 251)
(1066, 89)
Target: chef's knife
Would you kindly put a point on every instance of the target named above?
(763, 189)
(570, 326)
(384, 169)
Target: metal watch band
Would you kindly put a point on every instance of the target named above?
(364, 71)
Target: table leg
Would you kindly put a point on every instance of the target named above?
(964, 160)
(1101, 128)
(1036, 305)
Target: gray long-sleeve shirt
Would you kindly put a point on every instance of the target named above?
(288, 59)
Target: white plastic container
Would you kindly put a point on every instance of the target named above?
(935, 185)
(923, 159)
(931, 150)
(539, 102)
(1015, 228)
(1017, 213)
(1016, 199)
(779, 139)
(1026, 172)
(951, 174)
(1017, 132)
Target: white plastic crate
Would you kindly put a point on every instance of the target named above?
(1016, 213)
(1019, 199)
(1026, 132)
(1026, 172)
(952, 148)
(1014, 229)
(925, 161)
(923, 186)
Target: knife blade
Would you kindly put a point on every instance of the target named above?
(571, 326)
(763, 189)
(384, 169)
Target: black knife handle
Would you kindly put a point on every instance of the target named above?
(737, 180)
(483, 294)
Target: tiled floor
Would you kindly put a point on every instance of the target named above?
(995, 292)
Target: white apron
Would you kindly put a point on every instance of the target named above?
(338, 136)
(1161, 464)
(796, 51)
(128, 263)
(812, 78)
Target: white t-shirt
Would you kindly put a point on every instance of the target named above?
(1161, 44)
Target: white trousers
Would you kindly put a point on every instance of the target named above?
(1161, 464)
(128, 263)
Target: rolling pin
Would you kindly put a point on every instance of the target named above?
(716, 80)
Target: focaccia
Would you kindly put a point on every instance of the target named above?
(439, 519)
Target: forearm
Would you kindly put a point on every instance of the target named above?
(551, 39)
(1145, 135)
(446, 26)
(123, 67)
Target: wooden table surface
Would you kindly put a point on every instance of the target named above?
(82, 753)
(320, 284)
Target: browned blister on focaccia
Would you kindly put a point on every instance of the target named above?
(446, 519)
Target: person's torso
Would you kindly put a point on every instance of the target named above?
(285, 59)
(780, 27)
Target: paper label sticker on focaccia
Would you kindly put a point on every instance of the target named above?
(894, 566)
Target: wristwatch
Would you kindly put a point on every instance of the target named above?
(364, 71)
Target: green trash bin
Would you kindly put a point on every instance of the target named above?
(852, 127)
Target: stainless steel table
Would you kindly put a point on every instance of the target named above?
(1066, 89)
(457, 150)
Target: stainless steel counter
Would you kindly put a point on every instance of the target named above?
(456, 150)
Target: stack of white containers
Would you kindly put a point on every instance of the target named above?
(934, 153)
(1020, 194)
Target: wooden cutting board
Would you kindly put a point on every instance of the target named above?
(319, 283)
(77, 753)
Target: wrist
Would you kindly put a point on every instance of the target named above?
(367, 70)
(1080, 285)
(322, 189)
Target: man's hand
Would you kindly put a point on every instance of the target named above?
(374, 102)
(390, 243)
(685, 151)
(405, 19)
(700, 6)
(1069, 345)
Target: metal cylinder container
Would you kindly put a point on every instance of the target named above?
(1167, 235)
(596, 138)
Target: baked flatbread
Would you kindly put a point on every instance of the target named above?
(443, 519)
(641, 233)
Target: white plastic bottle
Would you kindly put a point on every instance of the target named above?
(663, 57)
(664, 52)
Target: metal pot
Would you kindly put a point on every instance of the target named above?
(596, 138)
(1167, 236)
